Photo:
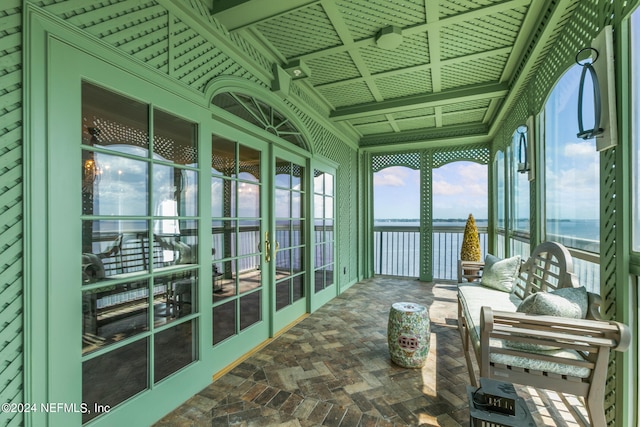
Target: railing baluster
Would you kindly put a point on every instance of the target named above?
(397, 251)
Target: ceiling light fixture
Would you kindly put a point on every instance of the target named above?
(389, 37)
(297, 69)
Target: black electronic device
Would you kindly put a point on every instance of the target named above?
(496, 396)
(496, 404)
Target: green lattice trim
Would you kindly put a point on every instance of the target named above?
(478, 154)
(410, 160)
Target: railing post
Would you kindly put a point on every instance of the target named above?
(380, 254)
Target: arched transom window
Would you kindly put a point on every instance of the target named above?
(260, 114)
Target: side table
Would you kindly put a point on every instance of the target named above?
(409, 334)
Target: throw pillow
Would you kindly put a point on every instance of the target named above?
(578, 296)
(499, 273)
(565, 302)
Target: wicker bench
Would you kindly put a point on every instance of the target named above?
(575, 359)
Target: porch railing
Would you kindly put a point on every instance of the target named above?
(397, 253)
(397, 250)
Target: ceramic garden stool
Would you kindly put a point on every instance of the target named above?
(409, 334)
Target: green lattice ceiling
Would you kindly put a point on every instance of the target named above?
(450, 74)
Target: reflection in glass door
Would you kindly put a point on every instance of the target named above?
(236, 238)
(139, 177)
(323, 218)
(290, 245)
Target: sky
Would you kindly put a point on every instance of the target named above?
(459, 189)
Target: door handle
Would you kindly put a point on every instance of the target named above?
(267, 247)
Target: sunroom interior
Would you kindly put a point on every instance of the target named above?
(185, 181)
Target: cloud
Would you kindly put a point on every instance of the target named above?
(395, 176)
(460, 178)
(446, 188)
(573, 192)
(579, 149)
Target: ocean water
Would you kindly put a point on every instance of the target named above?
(393, 258)
(582, 229)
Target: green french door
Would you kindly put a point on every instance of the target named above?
(324, 268)
(125, 166)
(239, 193)
(289, 239)
(259, 242)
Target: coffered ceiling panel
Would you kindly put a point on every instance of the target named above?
(390, 68)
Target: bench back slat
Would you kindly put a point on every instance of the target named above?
(549, 267)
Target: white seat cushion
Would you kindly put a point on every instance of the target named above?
(473, 297)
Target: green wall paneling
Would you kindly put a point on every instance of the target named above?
(11, 211)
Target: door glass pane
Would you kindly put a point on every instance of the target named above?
(175, 193)
(108, 249)
(329, 253)
(174, 139)
(319, 255)
(248, 200)
(113, 121)
(296, 204)
(328, 184)
(318, 182)
(283, 203)
(296, 177)
(297, 227)
(283, 263)
(249, 240)
(114, 249)
(113, 313)
(113, 185)
(113, 377)
(283, 294)
(223, 156)
(328, 211)
(250, 277)
(298, 287)
(174, 296)
(250, 309)
(249, 164)
(225, 281)
(283, 173)
(318, 208)
(224, 321)
(297, 260)
(218, 197)
(223, 236)
(174, 348)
